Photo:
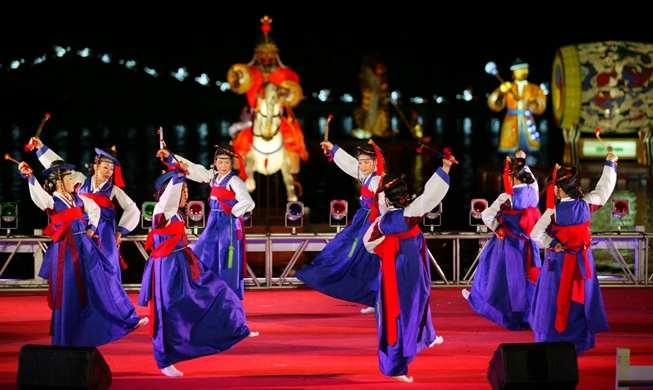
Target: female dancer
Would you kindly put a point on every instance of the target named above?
(344, 269)
(567, 303)
(194, 312)
(89, 306)
(221, 246)
(505, 278)
(404, 314)
(100, 187)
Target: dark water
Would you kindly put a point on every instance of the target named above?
(473, 136)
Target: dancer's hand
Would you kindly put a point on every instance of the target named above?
(612, 157)
(118, 238)
(162, 153)
(24, 168)
(38, 144)
(326, 145)
(500, 233)
(447, 162)
(558, 248)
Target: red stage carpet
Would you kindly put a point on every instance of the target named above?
(309, 340)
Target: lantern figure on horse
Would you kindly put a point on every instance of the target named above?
(271, 89)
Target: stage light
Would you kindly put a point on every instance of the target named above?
(478, 206)
(435, 213)
(9, 212)
(247, 219)
(338, 213)
(9, 216)
(476, 213)
(195, 213)
(620, 208)
(433, 218)
(195, 216)
(294, 213)
(620, 212)
(147, 214)
(339, 209)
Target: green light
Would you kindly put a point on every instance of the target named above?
(148, 210)
(9, 211)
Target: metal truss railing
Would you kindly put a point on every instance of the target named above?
(300, 243)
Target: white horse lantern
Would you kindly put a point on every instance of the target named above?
(268, 155)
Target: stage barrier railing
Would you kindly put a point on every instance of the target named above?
(633, 265)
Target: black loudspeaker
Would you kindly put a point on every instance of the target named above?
(53, 367)
(532, 366)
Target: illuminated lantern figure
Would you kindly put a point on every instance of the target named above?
(604, 87)
(522, 100)
(372, 117)
(249, 79)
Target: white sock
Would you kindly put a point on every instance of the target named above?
(403, 378)
(143, 321)
(368, 310)
(171, 371)
(252, 334)
(466, 293)
(438, 340)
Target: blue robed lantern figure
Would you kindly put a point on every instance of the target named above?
(522, 100)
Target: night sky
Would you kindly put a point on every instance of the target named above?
(439, 49)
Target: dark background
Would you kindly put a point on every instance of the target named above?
(429, 48)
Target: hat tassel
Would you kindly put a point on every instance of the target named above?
(550, 198)
(506, 178)
(117, 177)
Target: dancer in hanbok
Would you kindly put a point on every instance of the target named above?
(89, 306)
(504, 282)
(104, 187)
(567, 304)
(344, 269)
(403, 312)
(194, 313)
(221, 246)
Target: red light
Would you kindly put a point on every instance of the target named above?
(47, 116)
(620, 207)
(338, 208)
(195, 208)
(478, 206)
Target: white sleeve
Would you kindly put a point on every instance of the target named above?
(39, 196)
(346, 162)
(374, 186)
(245, 201)
(373, 236)
(131, 214)
(46, 156)
(534, 184)
(538, 234)
(434, 191)
(490, 213)
(604, 187)
(197, 172)
(168, 204)
(92, 210)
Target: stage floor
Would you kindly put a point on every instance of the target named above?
(308, 340)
